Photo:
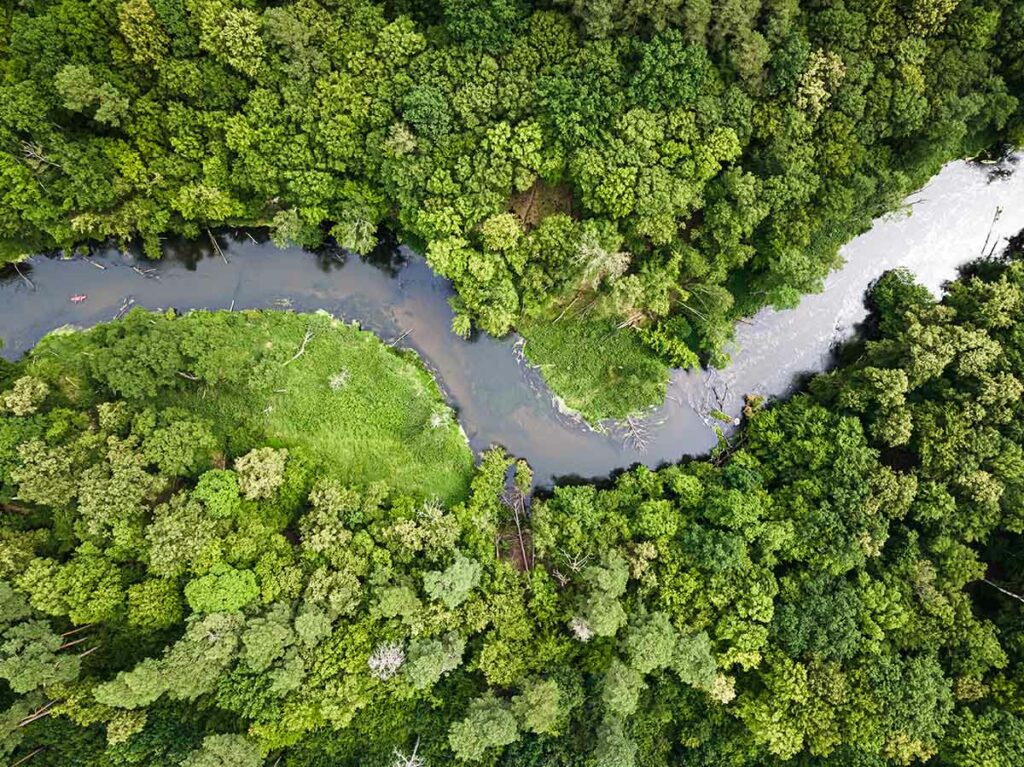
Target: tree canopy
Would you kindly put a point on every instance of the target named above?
(839, 584)
(660, 167)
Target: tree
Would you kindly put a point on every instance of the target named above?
(488, 724)
(143, 32)
(225, 751)
(538, 707)
(452, 585)
(430, 659)
(693, 661)
(223, 589)
(25, 397)
(620, 690)
(30, 657)
(261, 472)
(650, 643)
(154, 604)
(614, 748)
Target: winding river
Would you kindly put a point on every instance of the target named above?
(966, 210)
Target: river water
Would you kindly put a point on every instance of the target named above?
(499, 400)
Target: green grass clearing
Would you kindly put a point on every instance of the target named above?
(367, 411)
(599, 371)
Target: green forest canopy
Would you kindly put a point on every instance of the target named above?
(839, 586)
(658, 167)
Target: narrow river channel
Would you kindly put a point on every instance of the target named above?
(964, 211)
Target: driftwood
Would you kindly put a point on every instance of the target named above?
(28, 756)
(1004, 591)
(128, 302)
(400, 338)
(515, 501)
(567, 308)
(216, 245)
(302, 349)
(22, 275)
(73, 642)
(401, 760)
(39, 713)
(576, 562)
(75, 631)
(34, 152)
(637, 433)
(995, 218)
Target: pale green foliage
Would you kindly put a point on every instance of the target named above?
(225, 751)
(181, 448)
(154, 604)
(25, 397)
(219, 493)
(501, 232)
(452, 585)
(223, 589)
(87, 588)
(338, 593)
(649, 643)
(181, 537)
(312, 626)
(693, 661)
(233, 35)
(430, 659)
(620, 689)
(187, 669)
(266, 638)
(143, 32)
(82, 92)
(397, 601)
(488, 725)
(538, 706)
(30, 657)
(113, 496)
(613, 748)
(124, 725)
(261, 472)
(601, 612)
(45, 475)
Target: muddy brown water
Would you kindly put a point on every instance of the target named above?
(964, 211)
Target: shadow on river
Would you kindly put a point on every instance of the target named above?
(962, 212)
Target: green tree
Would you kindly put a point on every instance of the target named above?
(488, 724)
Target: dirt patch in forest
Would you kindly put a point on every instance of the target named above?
(541, 200)
(516, 547)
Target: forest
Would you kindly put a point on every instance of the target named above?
(840, 583)
(618, 180)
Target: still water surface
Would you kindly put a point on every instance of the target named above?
(962, 212)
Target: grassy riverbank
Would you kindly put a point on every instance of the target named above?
(598, 370)
(365, 411)
(840, 586)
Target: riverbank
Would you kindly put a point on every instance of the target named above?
(498, 399)
(329, 391)
(848, 565)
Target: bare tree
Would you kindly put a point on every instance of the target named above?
(581, 629)
(412, 760)
(386, 659)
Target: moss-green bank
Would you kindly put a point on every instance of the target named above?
(366, 411)
(597, 369)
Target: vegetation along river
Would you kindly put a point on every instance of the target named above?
(966, 210)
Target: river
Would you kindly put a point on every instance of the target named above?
(499, 400)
